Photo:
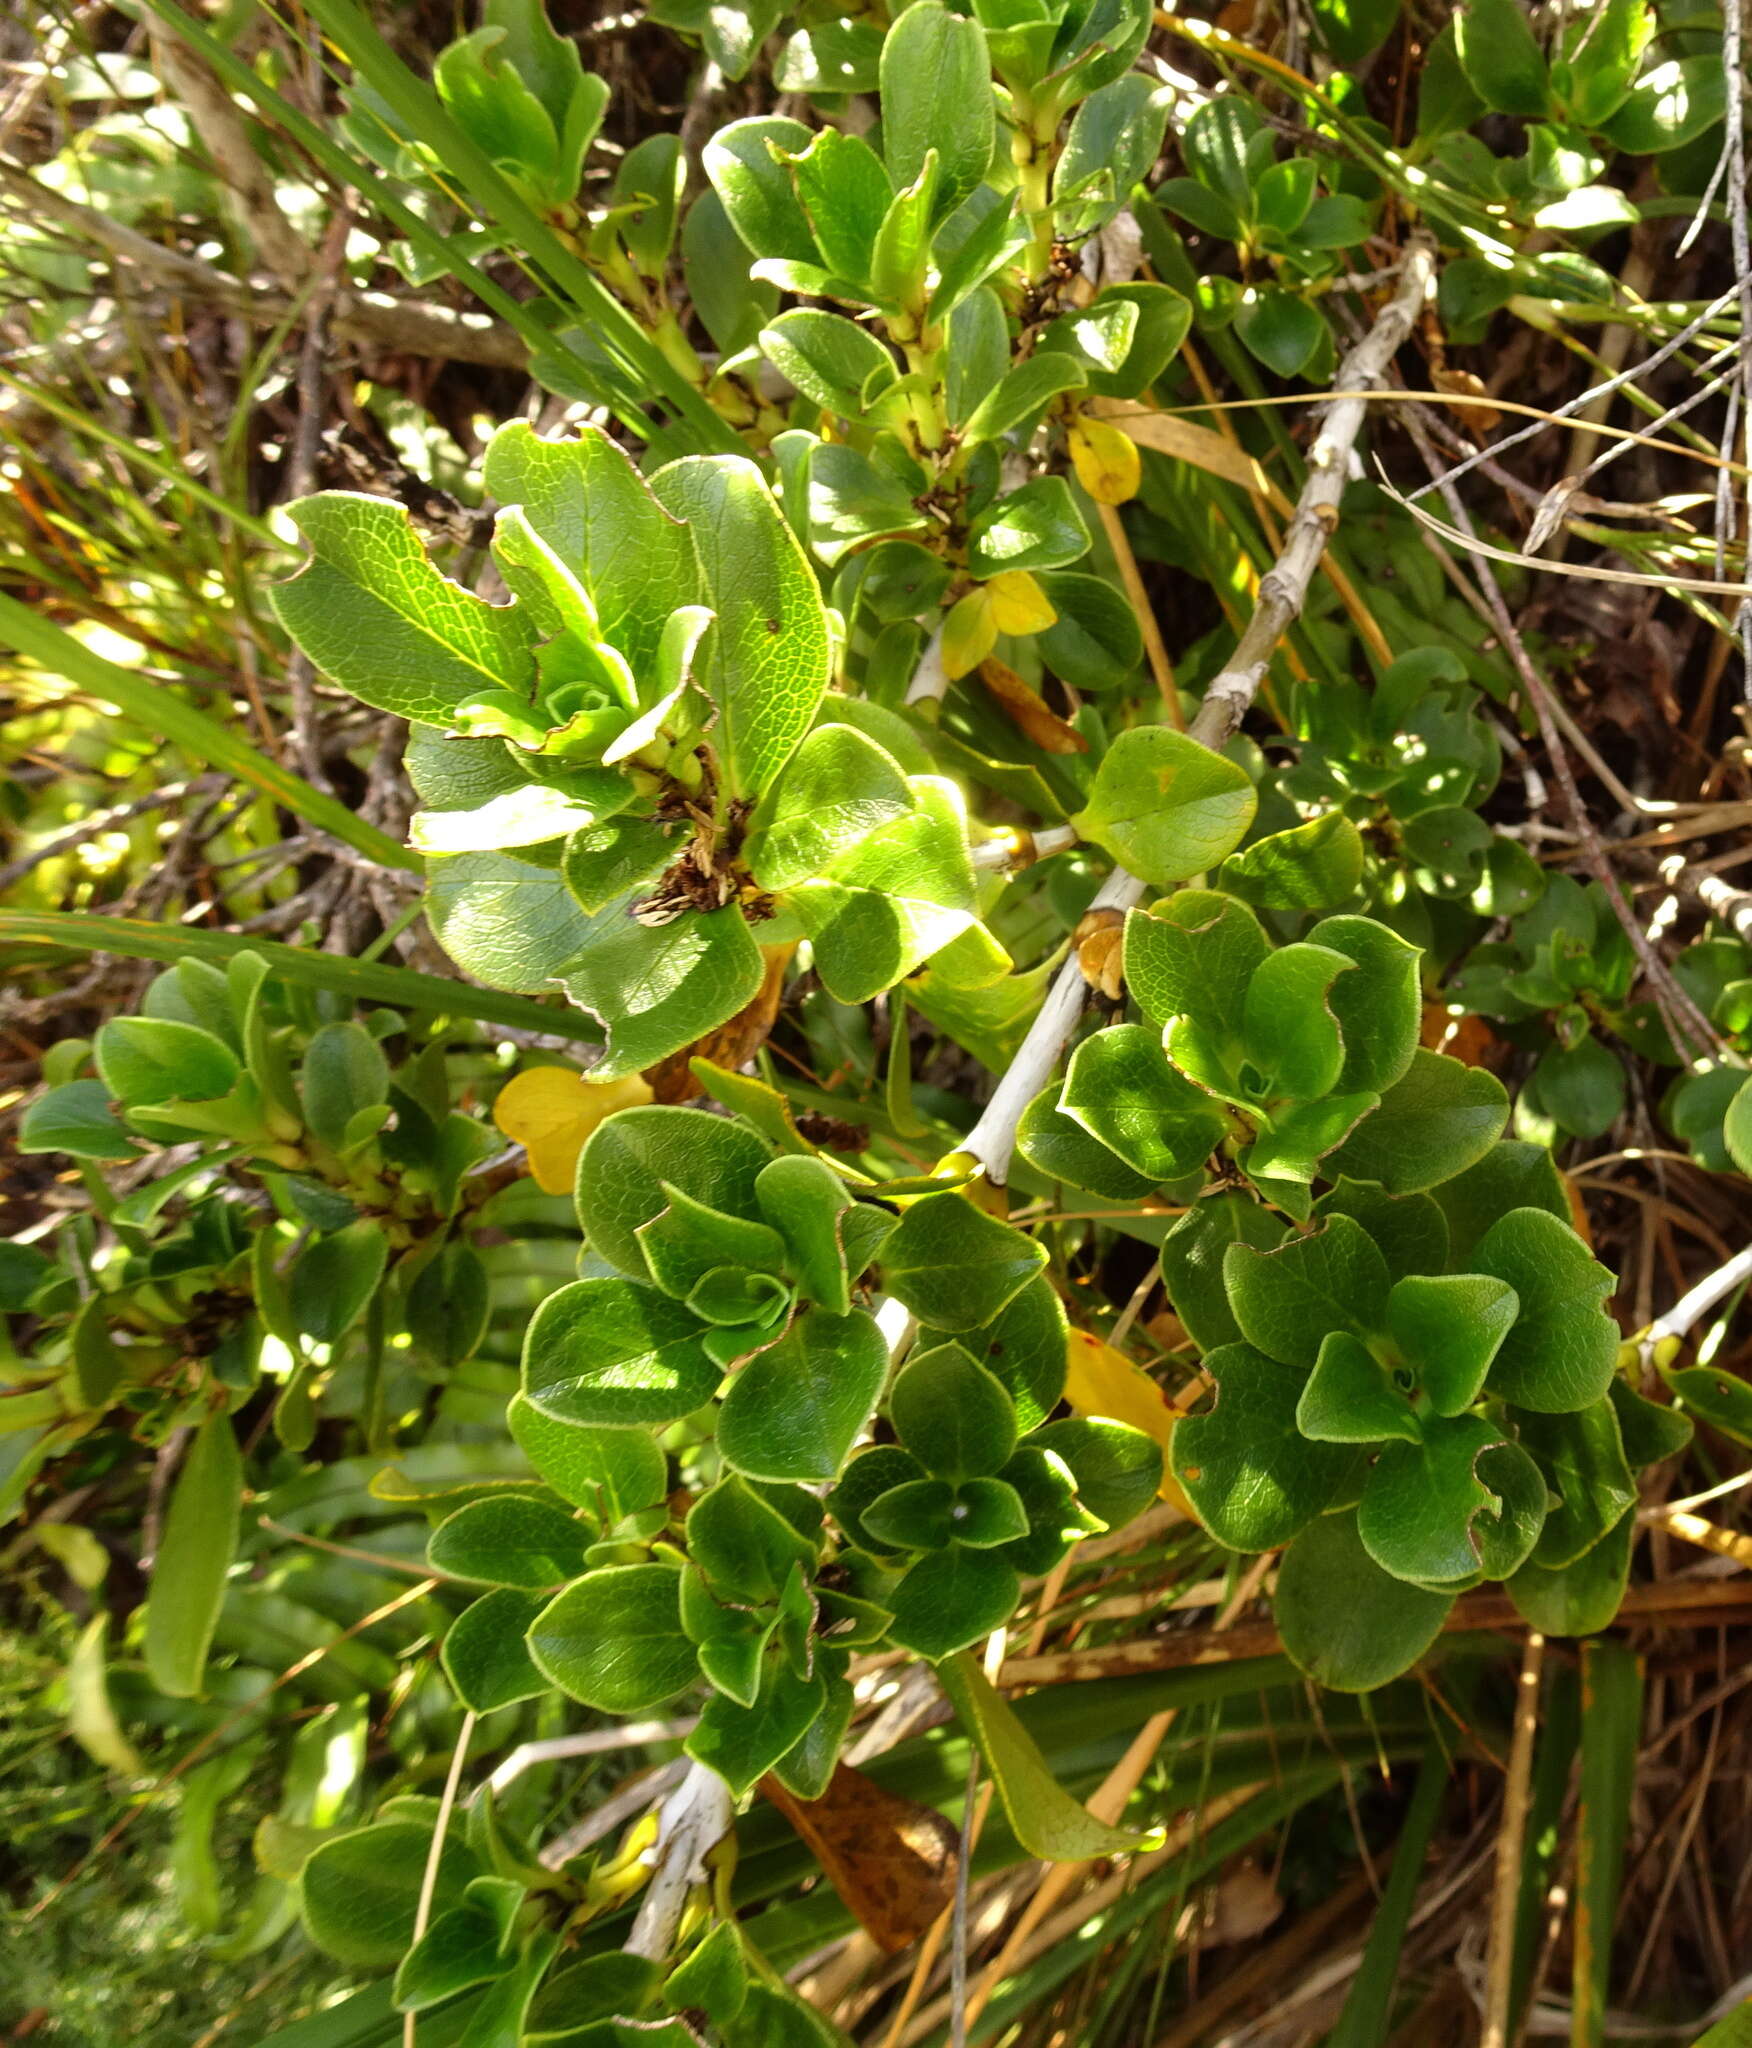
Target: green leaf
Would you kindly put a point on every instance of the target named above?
(1035, 527)
(836, 790)
(891, 901)
(1348, 1624)
(741, 1744)
(606, 1352)
(371, 611)
(1193, 956)
(1353, 30)
(467, 1946)
(1511, 1175)
(1503, 63)
(1192, 1262)
(745, 163)
(1021, 393)
(918, 1514)
(1440, 1117)
(795, 1409)
(1286, 1300)
(76, 1118)
(766, 659)
(343, 1072)
(1121, 1089)
(613, 1639)
(846, 195)
(806, 1203)
(510, 1541)
(194, 1560)
(1285, 332)
(1022, 1347)
(1117, 1469)
(1250, 1473)
(1461, 1502)
(713, 1977)
(833, 361)
(1580, 1598)
(954, 1266)
(145, 1061)
(632, 1163)
(1218, 148)
(936, 86)
(1670, 106)
(1379, 1008)
(1351, 1398)
(1582, 1458)
(686, 1241)
(603, 864)
(1057, 1146)
(1288, 1032)
(659, 988)
(1166, 807)
(866, 1479)
(746, 1539)
(485, 1656)
(1450, 1326)
(1649, 1430)
(1410, 1231)
(1736, 1127)
(951, 1598)
(1114, 142)
(953, 1415)
(612, 1472)
(1561, 1352)
(335, 1279)
(1043, 1816)
(360, 1892)
(1308, 867)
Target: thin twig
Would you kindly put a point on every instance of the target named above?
(1511, 1834)
(435, 1855)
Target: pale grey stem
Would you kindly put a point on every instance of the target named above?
(595, 1742)
(930, 678)
(1733, 906)
(695, 1818)
(1693, 1307)
(1023, 849)
(1282, 591)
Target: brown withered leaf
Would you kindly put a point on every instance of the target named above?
(1483, 419)
(891, 1860)
(732, 1044)
(1026, 712)
(1467, 1038)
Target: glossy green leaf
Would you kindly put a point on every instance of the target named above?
(632, 1162)
(951, 1598)
(1035, 527)
(360, 1892)
(1250, 1473)
(611, 1472)
(936, 92)
(1193, 956)
(1306, 867)
(1449, 1327)
(795, 1409)
(1352, 1398)
(484, 1653)
(511, 1541)
(1348, 1624)
(1121, 1089)
(194, 1560)
(76, 1118)
(1117, 1469)
(1580, 1598)
(1463, 1501)
(1379, 1008)
(1166, 807)
(335, 1278)
(1583, 1460)
(1056, 1145)
(1437, 1119)
(1286, 1300)
(954, 1266)
(1500, 57)
(607, 1352)
(1559, 1356)
(660, 988)
(837, 789)
(1022, 1347)
(613, 1639)
(953, 1415)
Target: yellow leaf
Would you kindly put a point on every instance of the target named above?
(1103, 1382)
(1019, 605)
(969, 633)
(550, 1111)
(1106, 461)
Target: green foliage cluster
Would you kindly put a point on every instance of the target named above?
(832, 692)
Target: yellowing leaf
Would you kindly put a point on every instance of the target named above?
(969, 632)
(1107, 462)
(1019, 605)
(550, 1111)
(1103, 1382)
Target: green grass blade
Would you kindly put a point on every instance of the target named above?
(1553, 1764)
(367, 981)
(156, 709)
(1733, 2032)
(1612, 1692)
(1368, 2010)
